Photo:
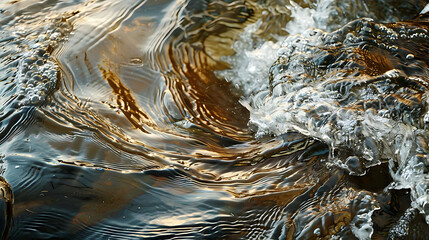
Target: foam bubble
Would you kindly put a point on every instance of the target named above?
(37, 73)
(365, 117)
(318, 86)
(250, 64)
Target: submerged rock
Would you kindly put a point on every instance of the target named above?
(363, 90)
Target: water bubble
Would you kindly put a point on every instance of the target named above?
(394, 48)
(39, 62)
(35, 99)
(29, 74)
(30, 60)
(136, 61)
(317, 232)
(37, 77)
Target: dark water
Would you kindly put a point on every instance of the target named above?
(148, 120)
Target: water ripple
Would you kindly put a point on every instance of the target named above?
(136, 132)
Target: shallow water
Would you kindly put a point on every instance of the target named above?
(160, 120)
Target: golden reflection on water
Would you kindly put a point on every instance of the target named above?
(125, 101)
(142, 139)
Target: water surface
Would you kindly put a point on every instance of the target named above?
(160, 120)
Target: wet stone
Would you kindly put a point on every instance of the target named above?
(355, 89)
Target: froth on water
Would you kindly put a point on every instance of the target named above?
(213, 119)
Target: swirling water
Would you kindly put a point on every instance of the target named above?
(189, 119)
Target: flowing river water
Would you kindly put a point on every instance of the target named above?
(214, 119)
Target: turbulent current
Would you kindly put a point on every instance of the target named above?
(214, 119)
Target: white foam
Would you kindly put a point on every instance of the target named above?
(303, 18)
(362, 225)
(37, 73)
(295, 99)
(251, 63)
